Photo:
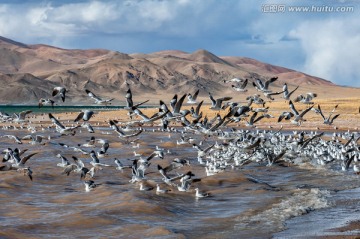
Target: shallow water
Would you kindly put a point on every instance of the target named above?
(254, 201)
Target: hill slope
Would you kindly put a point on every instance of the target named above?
(28, 72)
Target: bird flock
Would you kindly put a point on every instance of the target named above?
(215, 146)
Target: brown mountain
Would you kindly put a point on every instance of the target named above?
(29, 72)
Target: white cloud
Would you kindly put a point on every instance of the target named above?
(231, 27)
(332, 49)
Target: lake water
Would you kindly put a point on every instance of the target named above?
(10, 109)
(252, 201)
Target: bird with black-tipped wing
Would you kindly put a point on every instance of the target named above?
(97, 99)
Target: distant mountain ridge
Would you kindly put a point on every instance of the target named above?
(29, 72)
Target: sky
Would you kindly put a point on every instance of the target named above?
(317, 37)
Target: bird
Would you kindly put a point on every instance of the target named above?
(14, 137)
(145, 187)
(43, 102)
(130, 104)
(97, 99)
(240, 88)
(122, 133)
(84, 115)
(216, 104)
(236, 80)
(120, 166)
(37, 139)
(61, 128)
(199, 194)
(192, 98)
(21, 116)
(88, 127)
(287, 94)
(89, 185)
(95, 160)
(195, 113)
(19, 163)
(64, 161)
(59, 90)
(285, 115)
(26, 172)
(307, 99)
(160, 190)
(253, 119)
(327, 120)
(264, 87)
(269, 94)
(298, 117)
(147, 119)
(77, 167)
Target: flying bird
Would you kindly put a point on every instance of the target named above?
(43, 102)
(216, 104)
(264, 86)
(327, 120)
(192, 98)
(298, 117)
(240, 88)
(287, 94)
(97, 99)
(307, 99)
(59, 90)
(84, 115)
(64, 130)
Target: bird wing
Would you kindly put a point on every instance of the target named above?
(194, 96)
(335, 116)
(320, 112)
(197, 110)
(299, 98)
(220, 100)
(260, 84)
(56, 90)
(252, 118)
(141, 114)
(259, 118)
(94, 157)
(290, 93)
(131, 135)
(213, 101)
(292, 107)
(305, 111)
(268, 82)
(17, 139)
(128, 96)
(68, 169)
(173, 101)
(22, 114)
(92, 95)
(243, 85)
(105, 147)
(138, 104)
(79, 117)
(179, 104)
(78, 162)
(55, 121)
(26, 158)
